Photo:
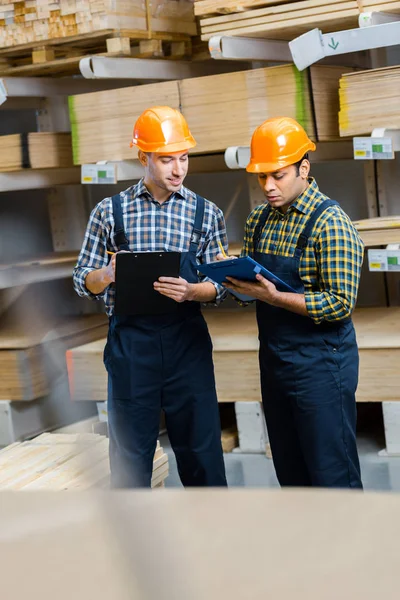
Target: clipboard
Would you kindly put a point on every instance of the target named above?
(244, 268)
(135, 274)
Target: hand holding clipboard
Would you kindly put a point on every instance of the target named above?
(243, 269)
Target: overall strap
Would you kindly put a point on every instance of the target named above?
(120, 239)
(305, 234)
(198, 225)
(260, 226)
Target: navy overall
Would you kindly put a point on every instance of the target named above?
(309, 376)
(163, 362)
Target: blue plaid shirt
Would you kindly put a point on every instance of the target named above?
(149, 226)
(330, 266)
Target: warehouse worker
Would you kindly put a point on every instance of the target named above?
(308, 350)
(160, 361)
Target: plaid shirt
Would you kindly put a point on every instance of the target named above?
(149, 226)
(330, 265)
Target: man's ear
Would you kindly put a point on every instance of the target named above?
(305, 169)
(143, 158)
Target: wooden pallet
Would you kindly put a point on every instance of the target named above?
(61, 56)
(64, 461)
(234, 335)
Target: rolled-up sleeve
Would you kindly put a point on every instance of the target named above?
(93, 254)
(339, 255)
(216, 234)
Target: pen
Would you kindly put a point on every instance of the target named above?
(108, 252)
(222, 249)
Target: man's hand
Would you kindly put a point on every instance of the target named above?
(178, 289)
(109, 270)
(222, 257)
(263, 290)
(99, 279)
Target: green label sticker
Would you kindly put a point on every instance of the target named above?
(377, 148)
(392, 260)
(102, 174)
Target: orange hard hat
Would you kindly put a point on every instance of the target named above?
(162, 129)
(278, 143)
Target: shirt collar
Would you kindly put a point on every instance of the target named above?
(306, 201)
(141, 191)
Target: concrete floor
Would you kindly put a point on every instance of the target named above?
(255, 470)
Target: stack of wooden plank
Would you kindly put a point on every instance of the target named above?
(32, 21)
(107, 131)
(62, 461)
(369, 99)
(33, 342)
(274, 19)
(380, 231)
(222, 110)
(234, 335)
(35, 151)
(282, 19)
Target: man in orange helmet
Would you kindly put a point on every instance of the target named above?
(159, 361)
(308, 350)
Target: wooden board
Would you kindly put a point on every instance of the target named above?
(380, 231)
(35, 150)
(324, 82)
(104, 134)
(210, 7)
(369, 99)
(282, 20)
(252, 97)
(64, 462)
(229, 439)
(235, 340)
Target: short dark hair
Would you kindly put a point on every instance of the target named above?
(298, 163)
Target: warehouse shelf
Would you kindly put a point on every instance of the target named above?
(141, 69)
(12, 88)
(237, 157)
(31, 179)
(223, 47)
(377, 30)
(58, 265)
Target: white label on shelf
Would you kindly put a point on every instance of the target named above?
(97, 174)
(384, 260)
(368, 148)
